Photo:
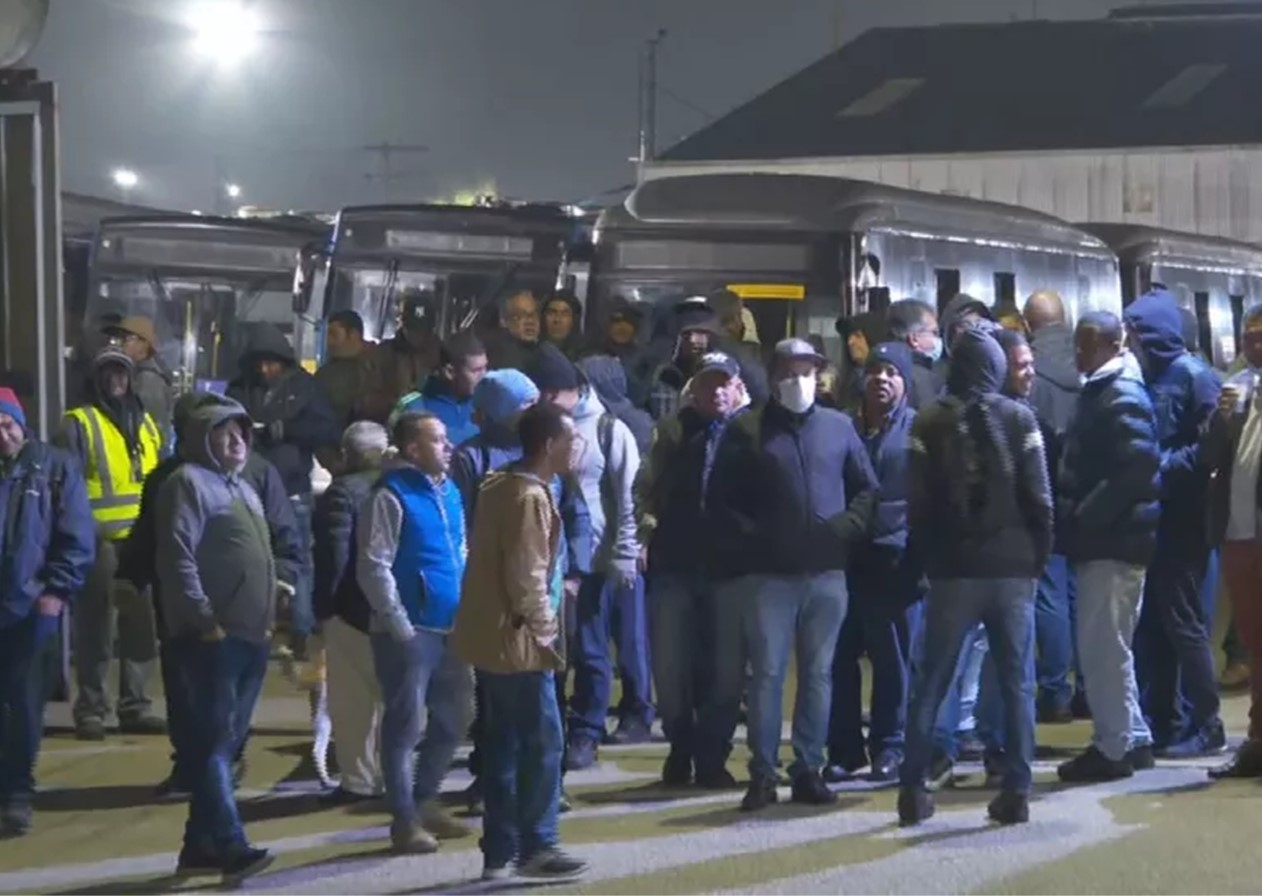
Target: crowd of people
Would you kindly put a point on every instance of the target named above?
(1011, 523)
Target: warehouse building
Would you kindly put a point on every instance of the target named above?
(1148, 116)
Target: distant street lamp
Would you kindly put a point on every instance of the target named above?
(226, 31)
(233, 191)
(126, 180)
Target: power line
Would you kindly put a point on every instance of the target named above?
(688, 104)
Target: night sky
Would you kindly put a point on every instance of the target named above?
(537, 97)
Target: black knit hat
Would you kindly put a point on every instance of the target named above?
(551, 371)
(895, 354)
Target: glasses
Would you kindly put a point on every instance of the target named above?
(522, 316)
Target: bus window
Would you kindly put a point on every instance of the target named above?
(1005, 291)
(948, 286)
(1237, 319)
(1204, 330)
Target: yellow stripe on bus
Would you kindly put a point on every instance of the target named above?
(794, 292)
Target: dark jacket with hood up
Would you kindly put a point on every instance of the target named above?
(949, 322)
(293, 418)
(214, 556)
(1056, 381)
(609, 378)
(1107, 495)
(979, 503)
(572, 346)
(1184, 392)
(799, 487)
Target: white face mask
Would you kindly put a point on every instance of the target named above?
(796, 393)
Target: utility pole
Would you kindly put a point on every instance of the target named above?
(386, 152)
(648, 97)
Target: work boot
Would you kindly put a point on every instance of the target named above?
(1009, 808)
(436, 820)
(90, 728)
(760, 795)
(809, 789)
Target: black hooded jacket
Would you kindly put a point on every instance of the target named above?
(293, 417)
(979, 502)
(1056, 381)
(609, 378)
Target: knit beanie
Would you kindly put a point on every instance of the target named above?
(895, 354)
(502, 393)
(551, 371)
(10, 405)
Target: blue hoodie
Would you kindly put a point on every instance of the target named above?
(436, 398)
(1184, 393)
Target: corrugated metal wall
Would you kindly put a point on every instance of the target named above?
(1210, 191)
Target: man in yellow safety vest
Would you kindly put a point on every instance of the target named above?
(117, 444)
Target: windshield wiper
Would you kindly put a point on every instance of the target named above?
(387, 296)
(500, 288)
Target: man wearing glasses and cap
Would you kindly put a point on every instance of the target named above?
(396, 366)
(797, 501)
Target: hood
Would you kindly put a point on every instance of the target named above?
(267, 341)
(436, 388)
(211, 410)
(1053, 347)
(954, 310)
(607, 376)
(589, 406)
(1158, 327)
(978, 366)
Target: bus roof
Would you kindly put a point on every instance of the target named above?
(1138, 243)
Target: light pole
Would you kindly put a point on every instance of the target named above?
(226, 31)
(126, 180)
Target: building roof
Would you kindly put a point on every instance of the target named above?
(1165, 76)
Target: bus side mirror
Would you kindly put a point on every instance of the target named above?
(309, 261)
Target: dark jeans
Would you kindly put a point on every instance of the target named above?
(521, 766)
(22, 703)
(1054, 606)
(302, 617)
(175, 687)
(224, 679)
(1005, 607)
(605, 608)
(880, 626)
(698, 665)
(1174, 662)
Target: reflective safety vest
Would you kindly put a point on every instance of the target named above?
(114, 477)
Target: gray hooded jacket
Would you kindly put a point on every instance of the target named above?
(214, 556)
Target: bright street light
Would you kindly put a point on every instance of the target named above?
(225, 31)
(233, 191)
(125, 179)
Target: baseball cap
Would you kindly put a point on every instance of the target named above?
(797, 349)
(720, 362)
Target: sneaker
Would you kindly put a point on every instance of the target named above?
(553, 865)
(915, 805)
(1209, 741)
(1092, 765)
(243, 863)
(630, 731)
(1009, 808)
(89, 729)
(581, 754)
(760, 795)
(196, 862)
(716, 779)
(473, 798)
(941, 773)
(1235, 677)
(15, 818)
(144, 725)
(434, 818)
(1247, 763)
(885, 767)
(810, 790)
(1141, 758)
(412, 839)
(496, 872)
(677, 769)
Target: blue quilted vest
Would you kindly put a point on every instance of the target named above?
(429, 562)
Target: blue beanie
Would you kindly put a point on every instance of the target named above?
(895, 354)
(10, 405)
(502, 393)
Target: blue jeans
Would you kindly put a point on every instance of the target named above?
(799, 616)
(698, 665)
(223, 679)
(954, 607)
(605, 607)
(1174, 662)
(1054, 633)
(22, 703)
(303, 615)
(521, 765)
(881, 627)
(956, 716)
(427, 696)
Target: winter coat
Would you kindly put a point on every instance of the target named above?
(1107, 496)
(605, 471)
(609, 378)
(1056, 381)
(435, 397)
(335, 589)
(293, 418)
